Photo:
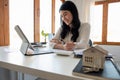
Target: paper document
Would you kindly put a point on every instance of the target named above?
(62, 52)
(79, 51)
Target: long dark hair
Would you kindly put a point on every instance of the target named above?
(70, 6)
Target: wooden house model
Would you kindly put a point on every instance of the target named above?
(94, 58)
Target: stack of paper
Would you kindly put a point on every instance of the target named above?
(62, 52)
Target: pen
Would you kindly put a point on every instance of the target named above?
(62, 41)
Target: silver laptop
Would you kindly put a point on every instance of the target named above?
(27, 48)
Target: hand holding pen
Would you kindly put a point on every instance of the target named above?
(60, 44)
(69, 46)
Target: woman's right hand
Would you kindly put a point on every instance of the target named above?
(69, 46)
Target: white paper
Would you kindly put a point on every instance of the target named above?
(64, 52)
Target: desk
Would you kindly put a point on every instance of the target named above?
(48, 66)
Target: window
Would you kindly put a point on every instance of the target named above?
(96, 23)
(33, 16)
(104, 17)
(45, 17)
(48, 11)
(57, 15)
(113, 22)
(21, 13)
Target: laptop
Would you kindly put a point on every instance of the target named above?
(27, 48)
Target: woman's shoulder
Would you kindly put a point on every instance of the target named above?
(85, 24)
(59, 29)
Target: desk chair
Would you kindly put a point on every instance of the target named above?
(90, 42)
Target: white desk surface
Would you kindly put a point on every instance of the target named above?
(48, 66)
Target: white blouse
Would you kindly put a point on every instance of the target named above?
(82, 40)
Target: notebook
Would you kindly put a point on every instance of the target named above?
(27, 48)
(116, 63)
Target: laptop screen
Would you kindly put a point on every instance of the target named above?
(22, 36)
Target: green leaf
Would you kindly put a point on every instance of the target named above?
(44, 34)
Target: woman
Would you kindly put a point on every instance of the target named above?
(72, 34)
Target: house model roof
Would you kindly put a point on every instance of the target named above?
(105, 52)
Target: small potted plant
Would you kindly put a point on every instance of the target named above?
(45, 35)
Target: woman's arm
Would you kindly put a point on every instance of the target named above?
(55, 42)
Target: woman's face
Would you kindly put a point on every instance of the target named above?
(66, 17)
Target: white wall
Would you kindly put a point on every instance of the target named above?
(83, 9)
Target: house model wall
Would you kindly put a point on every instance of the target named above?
(94, 58)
